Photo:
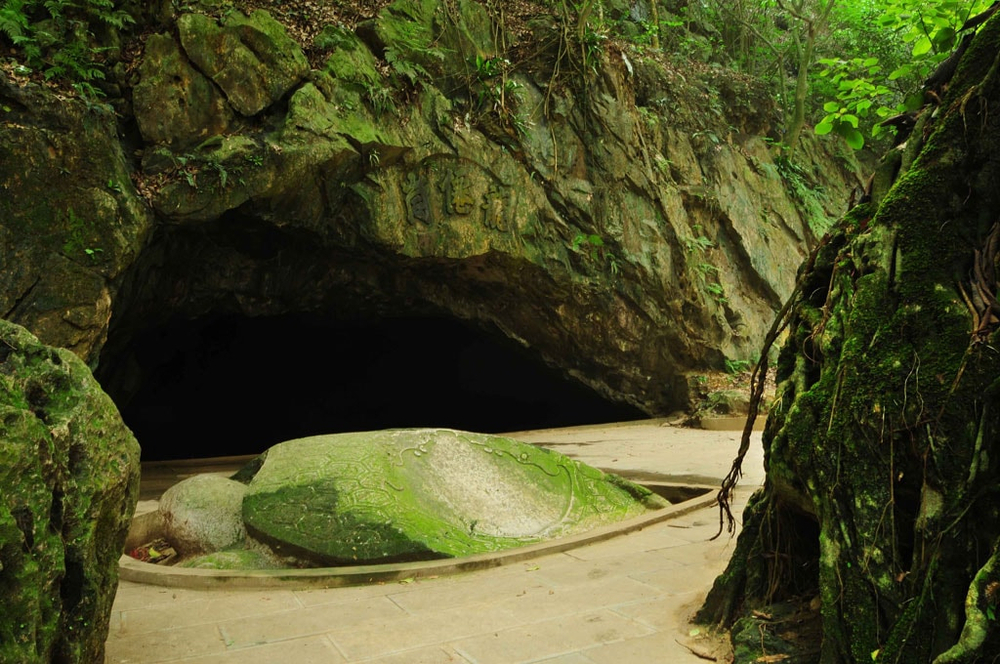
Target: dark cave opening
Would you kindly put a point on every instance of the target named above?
(233, 385)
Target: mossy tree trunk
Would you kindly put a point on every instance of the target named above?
(882, 494)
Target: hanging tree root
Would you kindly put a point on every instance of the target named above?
(983, 591)
(758, 379)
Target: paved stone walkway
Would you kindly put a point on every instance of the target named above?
(623, 600)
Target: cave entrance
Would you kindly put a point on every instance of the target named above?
(233, 385)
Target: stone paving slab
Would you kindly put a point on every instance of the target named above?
(622, 600)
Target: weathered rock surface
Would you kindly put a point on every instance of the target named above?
(630, 225)
(71, 221)
(424, 493)
(69, 472)
(203, 514)
(251, 59)
(174, 103)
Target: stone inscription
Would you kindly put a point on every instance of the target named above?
(438, 192)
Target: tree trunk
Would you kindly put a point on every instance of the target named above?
(804, 54)
(882, 497)
(813, 17)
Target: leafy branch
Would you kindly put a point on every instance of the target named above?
(862, 87)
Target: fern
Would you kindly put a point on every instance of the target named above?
(411, 70)
(13, 21)
(410, 45)
(57, 37)
(117, 19)
(55, 9)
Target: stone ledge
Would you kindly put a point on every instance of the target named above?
(332, 577)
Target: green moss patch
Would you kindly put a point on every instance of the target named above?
(425, 493)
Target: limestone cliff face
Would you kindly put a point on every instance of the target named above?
(71, 222)
(623, 218)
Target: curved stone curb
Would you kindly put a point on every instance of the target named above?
(333, 577)
(735, 423)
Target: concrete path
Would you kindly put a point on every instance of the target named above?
(623, 600)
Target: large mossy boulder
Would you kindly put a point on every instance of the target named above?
(251, 58)
(415, 494)
(71, 220)
(69, 472)
(174, 103)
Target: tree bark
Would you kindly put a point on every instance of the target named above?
(882, 494)
(804, 55)
(813, 20)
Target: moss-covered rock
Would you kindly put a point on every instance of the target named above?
(71, 221)
(69, 469)
(425, 493)
(251, 58)
(174, 103)
(881, 450)
(239, 559)
(627, 223)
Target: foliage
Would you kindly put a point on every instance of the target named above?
(700, 243)
(593, 247)
(856, 96)
(873, 55)
(593, 244)
(495, 91)
(796, 180)
(59, 37)
(860, 84)
(412, 46)
(738, 366)
(932, 26)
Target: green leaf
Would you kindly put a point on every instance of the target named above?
(922, 46)
(854, 138)
(869, 62)
(944, 38)
(850, 119)
(900, 72)
(823, 127)
(914, 101)
(831, 107)
(887, 20)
